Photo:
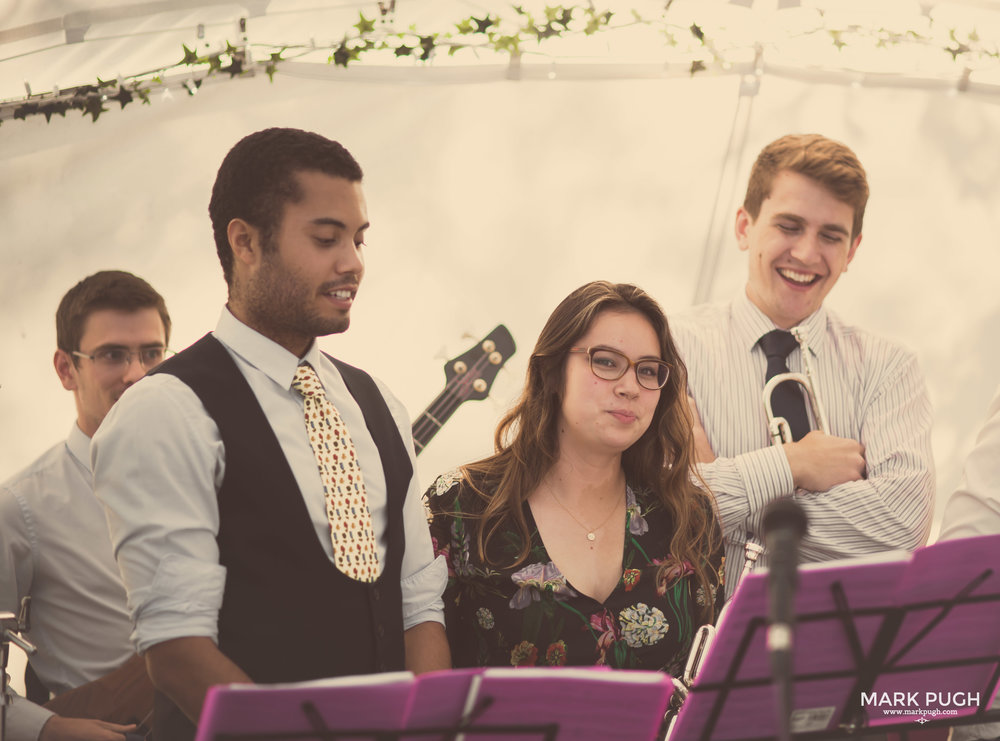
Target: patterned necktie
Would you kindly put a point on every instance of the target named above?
(355, 551)
(787, 400)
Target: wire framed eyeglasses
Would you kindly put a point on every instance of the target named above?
(610, 365)
(116, 358)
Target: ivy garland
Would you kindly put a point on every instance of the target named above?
(514, 34)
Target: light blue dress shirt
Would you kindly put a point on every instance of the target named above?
(159, 463)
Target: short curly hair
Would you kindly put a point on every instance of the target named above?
(107, 289)
(258, 177)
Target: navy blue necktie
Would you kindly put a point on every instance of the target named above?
(787, 400)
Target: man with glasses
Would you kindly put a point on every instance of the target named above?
(867, 484)
(269, 527)
(111, 328)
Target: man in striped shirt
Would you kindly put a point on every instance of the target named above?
(867, 484)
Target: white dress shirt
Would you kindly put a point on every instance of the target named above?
(872, 391)
(54, 546)
(974, 509)
(160, 488)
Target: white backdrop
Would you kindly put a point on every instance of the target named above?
(490, 202)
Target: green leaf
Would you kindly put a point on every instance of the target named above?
(544, 32)
(123, 96)
(483, 24)
(190, 56)
(56, 106)
(365, 26)
(28, 109)
(427, 43)
(341, 56)
(510, 44)
(93, 106)
(236, 68)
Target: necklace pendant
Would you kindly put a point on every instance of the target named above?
(591, 536)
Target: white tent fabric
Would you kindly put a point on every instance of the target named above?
(489, 202)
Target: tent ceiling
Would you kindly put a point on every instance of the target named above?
(59, 44)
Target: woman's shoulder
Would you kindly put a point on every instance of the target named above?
(456, 490)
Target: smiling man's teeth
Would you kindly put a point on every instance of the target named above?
(341, 294)
(803, 278)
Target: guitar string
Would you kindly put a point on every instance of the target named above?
(440, 406)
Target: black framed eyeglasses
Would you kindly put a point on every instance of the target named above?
(116, 358)
(611, 365)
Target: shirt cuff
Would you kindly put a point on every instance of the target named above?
(183, 600)
(422, 594)
(766, 476)
(25, 719)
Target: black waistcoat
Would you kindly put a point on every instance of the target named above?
(287, 613)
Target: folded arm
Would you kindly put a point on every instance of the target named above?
(880, 490)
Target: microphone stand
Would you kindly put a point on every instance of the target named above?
(784, 526)
(11, 626)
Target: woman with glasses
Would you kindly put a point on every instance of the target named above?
(583, 540)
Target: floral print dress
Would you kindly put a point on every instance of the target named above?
(530, 615)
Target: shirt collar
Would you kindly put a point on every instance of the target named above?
(264, 354)
(751, 324)
(79, 446)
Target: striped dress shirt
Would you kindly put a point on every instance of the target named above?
(872, 391)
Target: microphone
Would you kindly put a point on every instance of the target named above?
(784, 526)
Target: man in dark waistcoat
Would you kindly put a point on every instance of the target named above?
(267, 521)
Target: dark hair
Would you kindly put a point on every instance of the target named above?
(526, 439)
(258, 177)
(830, 163)
(108, 289)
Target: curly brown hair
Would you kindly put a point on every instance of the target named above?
(259, 177)
(526, 440)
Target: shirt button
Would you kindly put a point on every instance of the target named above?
(380, 632)
(375, 594)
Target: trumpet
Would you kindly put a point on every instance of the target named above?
(780, 431)
(702, 641)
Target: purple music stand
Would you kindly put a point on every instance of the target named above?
(881, 644)
(376, 703)
(494, 704)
